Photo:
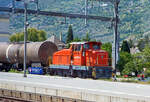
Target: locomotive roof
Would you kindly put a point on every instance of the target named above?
(78, 42)
(84, 42)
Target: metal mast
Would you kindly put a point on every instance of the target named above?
(25, 38)
(115, 48)
(86, 4)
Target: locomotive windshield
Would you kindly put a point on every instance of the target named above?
(86, 46)
(96, 47)
(76, 47)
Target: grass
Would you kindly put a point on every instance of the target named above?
(130, 81)
(15, 71)
(134, 81)
(148, 82)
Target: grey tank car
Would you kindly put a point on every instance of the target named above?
(12, 54)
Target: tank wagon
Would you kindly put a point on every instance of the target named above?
(82, 59)
(38, 53)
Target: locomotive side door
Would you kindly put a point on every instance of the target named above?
(77, 55)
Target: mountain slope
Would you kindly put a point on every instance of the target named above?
(134, 18)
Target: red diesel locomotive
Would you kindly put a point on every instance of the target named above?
(82, 59)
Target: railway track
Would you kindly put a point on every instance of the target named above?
(11, 99)
(20, 96)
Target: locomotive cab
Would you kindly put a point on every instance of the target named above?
(85, 58)
(88, 54)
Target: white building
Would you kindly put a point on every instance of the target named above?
(60, 45)
(4, 28)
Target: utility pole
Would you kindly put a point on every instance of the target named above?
(116, 36)
(25, 38)
(25, 29)
(86, 4)
(13, 6)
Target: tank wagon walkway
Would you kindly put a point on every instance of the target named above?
(75, 88)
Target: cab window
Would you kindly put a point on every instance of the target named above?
(96, 47)
(77, 47)
(86, 46)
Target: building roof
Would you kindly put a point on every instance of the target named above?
(134, 50)
(60, 45)
(55, 40)
(78, 42)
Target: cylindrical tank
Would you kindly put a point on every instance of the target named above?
(12, 53)
(3, 49)
(37, 52)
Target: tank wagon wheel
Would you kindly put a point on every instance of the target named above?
(44, 71)
(1, 69)
(20, 67)
(7, 68)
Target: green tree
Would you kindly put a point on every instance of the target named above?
(33, 35)
(70, 34)
(131, 43)
(21, 37)
(141, 44)
(76, 39)
(125, 47)
(108, 47)
(145, 56)
(125, 57)
(13, 38)
(17, 37)
(87, 37)
(41, 35)
(146, 38)
(129, 68)
(136, 64)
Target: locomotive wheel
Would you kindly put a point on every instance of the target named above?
(51, 72)
(1, 69)
(20, 67)
(84, 74)
(79, 73)
(60, 72)
(55, 72)
(75, 74)
(65, 73)
(68, 73)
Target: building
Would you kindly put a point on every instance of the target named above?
(60, 45)
(4, 28)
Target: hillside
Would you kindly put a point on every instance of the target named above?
(134, 18)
